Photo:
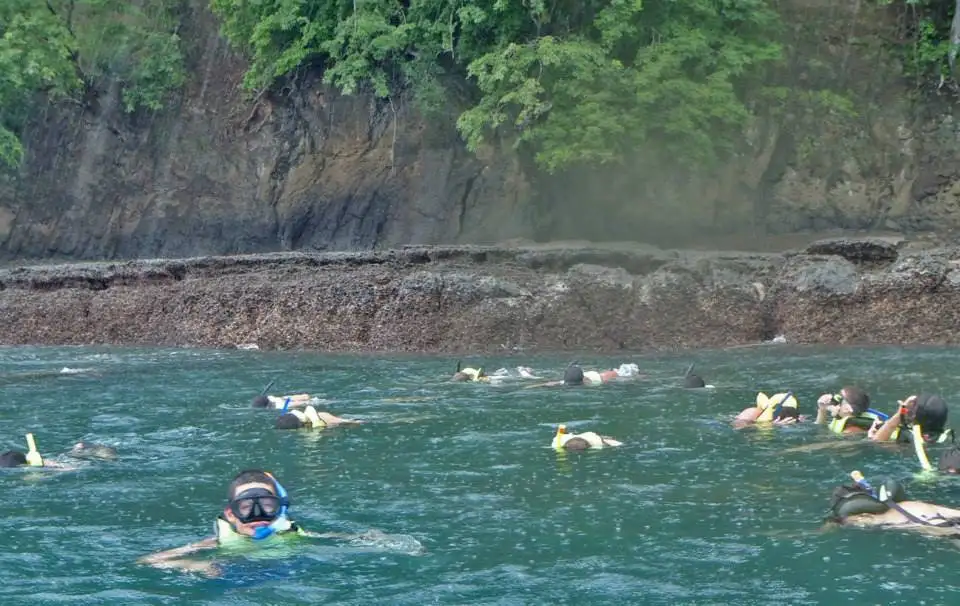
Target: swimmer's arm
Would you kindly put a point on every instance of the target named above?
(58, 465)
(171, 558)
(547, 384)
(822, 404)
(886, 430)
(331, 420)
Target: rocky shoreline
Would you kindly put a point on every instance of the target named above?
(557, 297)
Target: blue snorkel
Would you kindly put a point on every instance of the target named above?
(880, 415)
(286, 405)
(281, 523)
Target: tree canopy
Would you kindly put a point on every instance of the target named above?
(574, 80)
(57, 48)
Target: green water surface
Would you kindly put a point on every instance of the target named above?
(688, 511)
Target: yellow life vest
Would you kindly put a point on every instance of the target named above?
(228, 537)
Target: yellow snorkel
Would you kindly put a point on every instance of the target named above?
(33, 455)
(558, 439)
(919, 448)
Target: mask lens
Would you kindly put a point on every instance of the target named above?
(255, 505)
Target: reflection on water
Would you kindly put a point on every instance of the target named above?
(687, 511)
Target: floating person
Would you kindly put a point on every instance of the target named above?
(469, 374)
(256, 513)
(928, 412)
(581, 441)
(92, 450)
(575, 376)
(298, 400)
(694, 381)
(778, 409)
(31, 458)
(309, 418)
(860, 505)
(949, 462)
(847, 412)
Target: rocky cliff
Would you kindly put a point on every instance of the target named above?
(482, 299)
(304, 168)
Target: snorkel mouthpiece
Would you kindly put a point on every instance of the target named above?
(281, 523)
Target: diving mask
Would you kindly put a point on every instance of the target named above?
(256, 505)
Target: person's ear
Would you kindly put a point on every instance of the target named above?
(229, 515)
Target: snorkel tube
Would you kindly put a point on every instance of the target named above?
(33, 455)
(281, 523)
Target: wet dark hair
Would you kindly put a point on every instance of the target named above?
(576, 444)
(460, 376)
(930, 413)
(573, 375)
(693, 382)
(857, 398)
(247, 476)
(950, 461)
(288, 421)
(261, 402)
(13, 458)
(788, 412)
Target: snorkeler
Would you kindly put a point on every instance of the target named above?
(860, 505)
(91, 450)
(778, 409)
(256, 510)
(927, 412)
(473, 375)
(848, 411)
(575, 376)
(309, 418)
(292, 401)
(581, 441)
(31, 458)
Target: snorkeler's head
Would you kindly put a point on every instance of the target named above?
(13, 458)
(950, 461)
(857, 398)
(693, 382)
(262, 401)
(930, 413)
(254, 500)
(576, 444)
(573, 375)
(288, 421)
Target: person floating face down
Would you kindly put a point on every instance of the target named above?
(778, 409)
(469, 375)
(855, 505)
(927, 412)
(31, 458)
(309, 418)
(299, 400)
(847, 411)
(575, 376)
(581, 441)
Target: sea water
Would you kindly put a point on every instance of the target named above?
(475, 507)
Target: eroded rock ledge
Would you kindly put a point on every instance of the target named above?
(445, 299)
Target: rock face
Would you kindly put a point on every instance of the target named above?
(307, 169)
(447, 299)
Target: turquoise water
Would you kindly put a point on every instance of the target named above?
(688, 511)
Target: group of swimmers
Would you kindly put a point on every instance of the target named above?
(919, 420)
(257, 505)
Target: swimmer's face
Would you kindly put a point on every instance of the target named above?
(248, 528)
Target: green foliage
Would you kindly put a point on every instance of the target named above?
(574, 81)
(925, 25)
(55, 48)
